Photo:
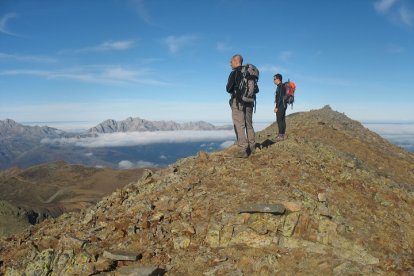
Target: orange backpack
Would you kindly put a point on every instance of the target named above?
(290, 88)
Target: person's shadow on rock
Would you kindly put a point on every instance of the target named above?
(265, 144)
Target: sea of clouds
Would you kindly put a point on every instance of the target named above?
(126, 139)
(401, 134)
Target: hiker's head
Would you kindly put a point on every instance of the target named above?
(277, 79)
(236, 61)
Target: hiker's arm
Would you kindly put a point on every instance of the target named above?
(230, 83)
(277, 96)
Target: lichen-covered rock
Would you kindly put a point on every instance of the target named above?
(290, 223)
(213, 235)
(62, 259)
(181, 242)
(42, 264)
(265, 223)
(248, 237)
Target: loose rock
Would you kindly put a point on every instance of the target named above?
(139, 270)
(118, 255)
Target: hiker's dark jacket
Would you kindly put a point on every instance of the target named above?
(280, 96)
(233, 83)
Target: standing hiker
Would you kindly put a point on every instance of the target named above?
(242, 104)
(281, 106)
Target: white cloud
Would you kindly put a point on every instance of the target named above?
(99, 74)
(175, 43)
(115, 45)
(77, 76)
(272, 69)
(383, 6)
(141, 10)
(397, 11)
(4, 21)
(126, 164)
(144, 164)
(406, 15)
(142, 138)
(103, 47)
(120, 73)
(223, 46)
(26, 58)
(285, 55)
(163, 157)
(89, 154)
(227, 144)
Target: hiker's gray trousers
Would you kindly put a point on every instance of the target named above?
(243, 125)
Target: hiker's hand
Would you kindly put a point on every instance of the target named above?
(276, 109)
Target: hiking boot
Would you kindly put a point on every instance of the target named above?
(281, 137)
(241, 154)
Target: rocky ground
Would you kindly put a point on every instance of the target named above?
(333, 199)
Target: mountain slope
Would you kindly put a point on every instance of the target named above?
(48, 190)
(348, 197)
(137, 124)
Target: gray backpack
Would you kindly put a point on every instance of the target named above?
(248, 86)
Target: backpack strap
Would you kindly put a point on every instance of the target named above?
(255, 103)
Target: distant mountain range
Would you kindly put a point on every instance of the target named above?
(10, 128)
(137, 124)
(22, 146)
(17, 139)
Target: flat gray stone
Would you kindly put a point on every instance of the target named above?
(276, 209)
(118, 255)
(139, 270)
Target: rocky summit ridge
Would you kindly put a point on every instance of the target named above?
(332, 199)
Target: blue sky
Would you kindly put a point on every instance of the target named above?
(94, 60)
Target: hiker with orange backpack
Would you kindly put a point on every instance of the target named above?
(283, 97)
